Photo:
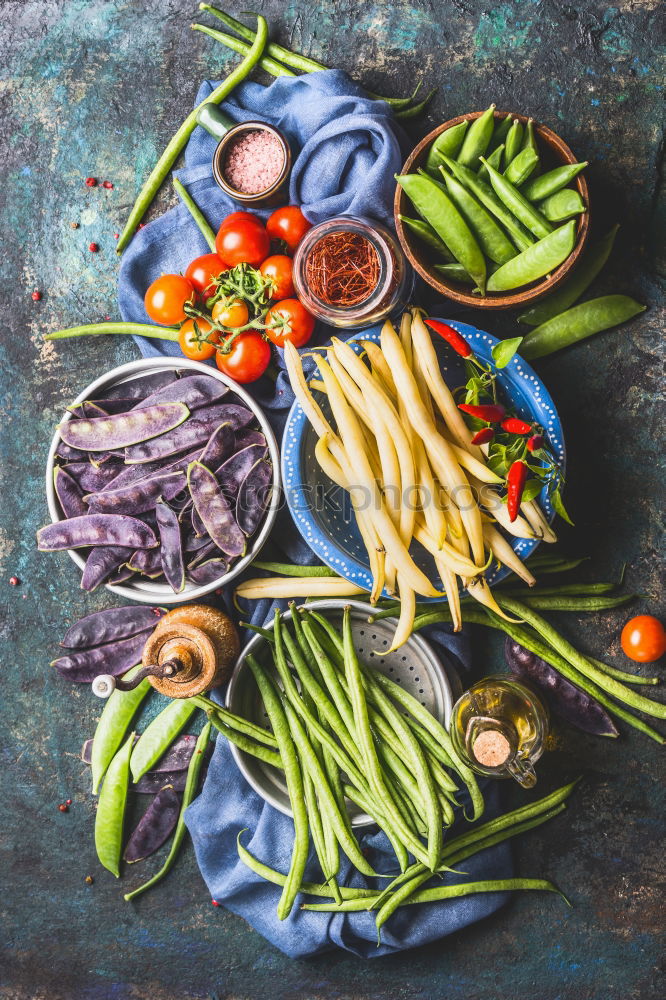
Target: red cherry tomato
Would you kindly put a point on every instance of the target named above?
(279, 268)
(166, 298)
(243, 241)
(190, 342)
(248, 358)
(203, 271)
(234, 217)
(288, 224)
(290, 321)
(643, 639)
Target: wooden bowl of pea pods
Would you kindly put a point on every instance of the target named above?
(567, 206)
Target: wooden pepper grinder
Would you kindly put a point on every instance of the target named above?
(191, 650)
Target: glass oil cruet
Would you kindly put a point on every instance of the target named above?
(499, 728)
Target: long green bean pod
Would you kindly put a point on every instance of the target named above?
(196, 213)
(130, 329)
(370, 806)
(235, 722)
(242, 48)
(293, 569)
(246, 744)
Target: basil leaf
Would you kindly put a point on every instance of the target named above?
(505, 350)
(558, 505)
(532, 489)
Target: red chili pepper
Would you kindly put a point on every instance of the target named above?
(483, 436)
(458, 343)
(515, 484)
(516, 426)
(535, 442)
(492, 413)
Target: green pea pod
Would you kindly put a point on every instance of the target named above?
(478, 138)
(434, 204)
(446, 144)
(500, 133)
(562, 205)
(110, 815)
(514, 141)
(158, 736)
(571, 290)
(454, 272)
(520, 167)
(554, 180)
(578, 323)
(533, 263)
(112, 726)
(529, 139)
(495, 159)
(518, 204)
(428, 235)
(485, 194)
(492, 240)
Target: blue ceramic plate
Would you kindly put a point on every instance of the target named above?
(322, 511)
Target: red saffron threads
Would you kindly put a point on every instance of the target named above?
(343, 269)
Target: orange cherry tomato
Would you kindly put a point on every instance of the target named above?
(231, 314)
(166, 298)
(643, 639)
(289, 224)
(290, 321)
(248, 358)
(203, 271)
(279, 269)
(191, 343)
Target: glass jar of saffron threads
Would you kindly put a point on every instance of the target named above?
(351, 272)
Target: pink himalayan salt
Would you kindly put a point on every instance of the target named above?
(253, 161)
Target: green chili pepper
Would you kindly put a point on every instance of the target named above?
(159, 734)
(517, 203)
(577, 323)
(448, 143)
(196, 214)
(110, 815)
(513, 143)
(426, 233)
(520, 167)
(492, 240)
(534, 263)
(562, 205)
(547, 184)
(478, 138)
(485, 194)
(112, 726)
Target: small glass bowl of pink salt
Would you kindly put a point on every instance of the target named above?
(252, 163)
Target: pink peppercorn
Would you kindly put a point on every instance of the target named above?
(14, 581)
(36, 295)
(93, 247)
(214, 902)
(108, 185)
(91, 182)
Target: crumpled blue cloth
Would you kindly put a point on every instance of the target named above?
(346, 150)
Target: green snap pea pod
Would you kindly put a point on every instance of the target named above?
(521, 166)
(448, 143)
(495, 160)
(246, 744)
(434, 204)
(547, 184)
(492, 240)
(529, 139)
(532, 264)
(513, 143)
(179, 140)
(622, 675)
(266, 63)
(572, 289)
(454, 272)
(577, 603)
(159, 734)
(236, 722)
(100, 329)
(112, 726)
(478, 138)
(428, 235)
(500, 133)
(191, 785)
(196, 213)
(372, 809)
(517, 203)
(562, 205)
(110, 815)
(485, 194)
(579, 322)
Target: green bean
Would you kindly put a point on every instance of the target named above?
(492, 239)
(130, 329)
(179, 140)
(579, 322)
(110, 815)
(547, 184)
(332, 682)
(575, 589)
(454, 272)
(432, 202)
(573, 288)
(159, 734)
(112, 726)
(370, 806)
(316, 826)
(513, 143)
(622, 675)
(478, 138)
(534, 263)
(416, 110)
(562, 205)
(269, 65)
(191, 785)
(500, 134)
(520, 167)
(335, 642)
(397, 898)
(495, 159)
(236, 722)
(447, 143)
(485, 194)
(303, 644)
(517, 203)
(196, 213)
(540, 603)
(246, 744)
(293, 569)
(560, 566)
(427, 234)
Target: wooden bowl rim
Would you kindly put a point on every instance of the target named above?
(497, 300)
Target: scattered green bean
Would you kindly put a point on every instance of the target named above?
(540, 603)
(477, 138)
(579, 322)
(131, 329)
(266, 63)
(447, 143)
(532, 264)
(110, 815)
(196, 213)
(562, 205)
(112, 726)
(517, 203)
(547, 184)
(416, 109)
(520, 167)
(428, 235)
(622, 675)
(159, 734)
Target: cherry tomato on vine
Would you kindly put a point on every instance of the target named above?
(203, 271)
(234, 217)
(243, 241)
(247, 359)
(290, 321)
(191, 344)
(279, 269)
(166, 298)
(289, 224)
(232, 314)
(643, 639)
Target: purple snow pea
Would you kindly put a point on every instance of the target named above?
(109, 625)
(148, 562)
(87, 409)
(253, 496)
(139, 388)
(220, 445)
(70, 454)
(123, 429)
(171, 547)
(196, 431)
(89, 478)
(246, 437)
(95, 529)
(155, 826)
(102, 563)
(139, 496)
(193, 390)
(113, 658)
(231, 473)
(214, 510)
(69, 493)
(208, 570)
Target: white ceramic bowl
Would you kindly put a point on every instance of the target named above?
(147, 591)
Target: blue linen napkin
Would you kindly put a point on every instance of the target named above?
(346, 151)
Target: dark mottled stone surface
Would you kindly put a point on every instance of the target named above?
(96, 87)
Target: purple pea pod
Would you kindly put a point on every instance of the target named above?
(220, 446)
(102, 563)
(231, 473)
(151, 782)
(194, 542)
(244, 438)
(70, 454)
(133, 473)
(198, 525)
(193, 390)
(208, 571)
(171, 549)
(221, 413)
(214, 510)
(195, 432)
(137, 497)
(119, 404)
(95, 529)
(111, 458)
(123, 429)
(148, 562)
(253, 496)
(69, 493)
(87, 409)
(566, 699)
(139, 388)
(176, 758)
(155, 826)
(122, 576)
(113, 658)
(110, 625)
(207, 551)
(90, 479)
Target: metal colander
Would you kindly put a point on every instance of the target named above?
(414, 666)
